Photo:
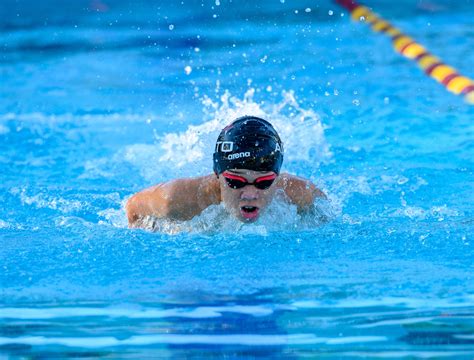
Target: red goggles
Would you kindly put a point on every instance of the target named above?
(238, 182)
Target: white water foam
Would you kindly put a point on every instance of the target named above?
(438, 213)
(4, 224)
(189, 153)
(42, 200)
(278, 216)
(210, 339)
(41, 118)
(343, 188)
(400, 302)
(138, 312)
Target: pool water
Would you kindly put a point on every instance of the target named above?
(100, 99)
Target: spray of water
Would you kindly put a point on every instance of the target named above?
(189, 153)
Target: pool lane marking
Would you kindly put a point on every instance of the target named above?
(446, 75)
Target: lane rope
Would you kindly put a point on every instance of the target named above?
(446, 75)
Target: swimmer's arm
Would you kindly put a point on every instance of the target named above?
(299, 191)
(179, 199)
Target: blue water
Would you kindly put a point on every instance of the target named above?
(100, 99)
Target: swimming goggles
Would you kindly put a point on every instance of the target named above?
(238, 182)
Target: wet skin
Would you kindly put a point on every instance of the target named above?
(182, 199)
(246, 203)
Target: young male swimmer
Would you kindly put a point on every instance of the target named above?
(247, 161)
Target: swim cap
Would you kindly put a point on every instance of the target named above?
(248, 143)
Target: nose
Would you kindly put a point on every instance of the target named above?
(249, 192)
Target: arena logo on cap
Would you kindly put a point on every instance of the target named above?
(238, 155)
(225, 146)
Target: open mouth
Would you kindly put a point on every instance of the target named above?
(249, 212)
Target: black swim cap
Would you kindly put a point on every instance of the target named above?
(248, 143)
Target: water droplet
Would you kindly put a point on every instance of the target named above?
(402, 180)
(171, 27)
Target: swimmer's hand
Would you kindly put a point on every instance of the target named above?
(180, 199)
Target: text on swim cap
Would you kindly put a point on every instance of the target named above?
(225, 146)
(238, 155)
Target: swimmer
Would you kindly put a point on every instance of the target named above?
(247, 160)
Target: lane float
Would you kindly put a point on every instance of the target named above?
(446, 75)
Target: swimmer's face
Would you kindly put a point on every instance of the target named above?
(246, 202)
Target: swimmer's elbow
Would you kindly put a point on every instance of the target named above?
(131, 210)
(150, 202)
(317, 193)
(308, 197)
(313, 193)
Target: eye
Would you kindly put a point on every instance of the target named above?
(235, 183)
(264, 184)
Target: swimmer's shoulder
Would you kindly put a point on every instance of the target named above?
(200, 191)
(209, 187)
(178, 199)
(299, 190)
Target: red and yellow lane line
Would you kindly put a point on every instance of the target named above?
(405, 45)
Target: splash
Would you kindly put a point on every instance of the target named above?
(278, 216)
(189, 153)
(4, 224)
(47, 201)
